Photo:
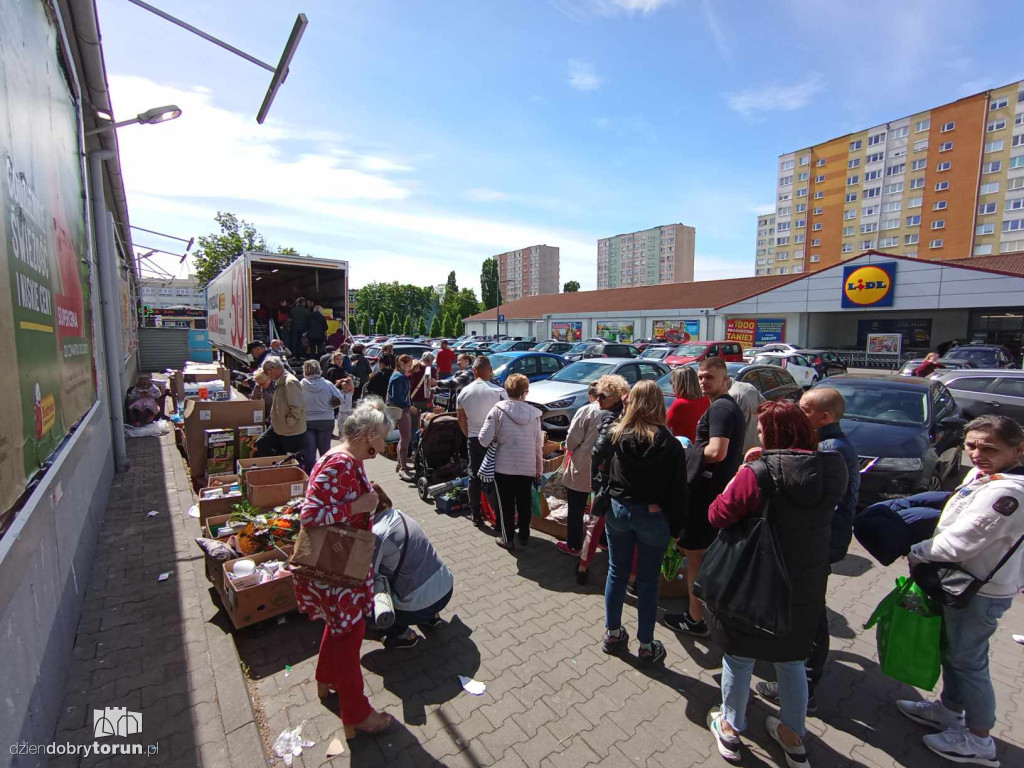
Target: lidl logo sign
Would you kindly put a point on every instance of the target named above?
(869, 286)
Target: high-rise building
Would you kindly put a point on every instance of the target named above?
(178, 292)
(765, 244)
(946, 183)
(528, 272)
(649, 257)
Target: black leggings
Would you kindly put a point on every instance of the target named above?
(515, 498)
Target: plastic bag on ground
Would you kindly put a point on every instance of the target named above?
(155, 429)
(290, 744)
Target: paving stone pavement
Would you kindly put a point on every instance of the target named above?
(519, 623)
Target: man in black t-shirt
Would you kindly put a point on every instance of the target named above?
(720, 434)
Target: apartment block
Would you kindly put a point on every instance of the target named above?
(765, 258)
(180, 292)
(649, 257)
(946, 183)
(528, 272)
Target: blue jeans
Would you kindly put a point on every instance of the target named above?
(318, 439)
(628, 526)
(966, 683)
(792, 677)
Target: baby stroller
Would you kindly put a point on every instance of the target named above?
(439, 453)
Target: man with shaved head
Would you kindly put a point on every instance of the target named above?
(824, 407)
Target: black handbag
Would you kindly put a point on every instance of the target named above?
(743, 580)
(950, 585)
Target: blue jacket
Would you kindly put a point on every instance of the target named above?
(832, 438)
(398, 390)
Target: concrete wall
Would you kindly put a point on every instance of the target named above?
(835, 329)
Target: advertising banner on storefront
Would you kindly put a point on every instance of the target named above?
(741, 329)
(567, 331)
(916, 331)
(869, 285)
(45, 304)
(884, 343)
(755, 332)
(615, 331)
(770, 330)
(676, 331)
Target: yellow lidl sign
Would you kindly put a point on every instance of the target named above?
(869, 286)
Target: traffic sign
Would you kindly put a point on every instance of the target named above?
(501, 318)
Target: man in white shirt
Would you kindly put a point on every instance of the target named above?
(474, 403)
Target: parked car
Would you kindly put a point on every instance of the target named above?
(986, 391)
(907, 433)
(983, 355)
(511, 346)
(401, 348)
(944, 364)
(563, 394)
(772, 382)
(599, 349)
(695, 351)
(802, 369)
(553, 346)
(826, 363)
(478, 347)
(657, 352)
(536, 366)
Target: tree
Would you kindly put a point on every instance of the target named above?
(571, 287)
(451, 286)
(467, 304)
(216, 251)
(395, 324)
(421, 329)
(454, 327)
(382, 325)
(436, 330)
(489, 290)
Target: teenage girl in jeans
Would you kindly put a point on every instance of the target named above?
(398, 397)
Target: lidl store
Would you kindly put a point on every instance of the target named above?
(888, 304)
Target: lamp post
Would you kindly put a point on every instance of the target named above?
(149, 117)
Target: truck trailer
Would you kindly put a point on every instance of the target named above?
(242, 300)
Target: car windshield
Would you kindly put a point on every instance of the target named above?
(689, 350)
(583, 372)
(767, 360)
(504, 346)
(499, 363)
(655, 353)
(874, 401)
(981, 357)
(544, 346)
(579, 348)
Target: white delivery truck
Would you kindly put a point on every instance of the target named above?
(242, 300)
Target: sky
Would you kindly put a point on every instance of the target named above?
(414, 138)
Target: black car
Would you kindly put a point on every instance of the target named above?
(983, 355)
(772, 382)
(555, 347)
(907, 433)
(825, 363)
(599, 349)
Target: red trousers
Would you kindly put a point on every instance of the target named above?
(338, 667)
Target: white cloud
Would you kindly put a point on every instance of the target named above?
(485, 195)
(774, 97)
(582, 76)
(635, 6)
(761, 210)
(717, 34)
(579, 10)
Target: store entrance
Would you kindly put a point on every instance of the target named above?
(998, 326)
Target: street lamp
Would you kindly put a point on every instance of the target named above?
(149, 117)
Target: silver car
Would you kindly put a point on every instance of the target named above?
(559, 397)
(985, 391)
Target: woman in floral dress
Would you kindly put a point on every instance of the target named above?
(339, 492)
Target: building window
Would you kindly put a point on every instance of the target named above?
(855, 145)
(985, 229)
(872, 175)
(891, 206)
(816, 227)
(892, 189)
(913, 202)
(784, 197)
(803, 176)
(802, 192)
(942, 186)
(785, 181)
(891, 224)
(935, 244)
(798, 239)
(922, 125)
(947, 127)
(911, 239)
(919, 165)
(939, 205)
(868, 228)
(818, 195)
(1014, 205)
(1016, 141)
(851, 197)
(869, 210)
(855, 163)
(945, 165)
(888, 242)
(801, 207)
(866, 244)
(986, 208)
(819, 179)
(816, 241)
(913, 221)
(1013, 225)
(815, 257)
(983, 250)
(851, 180)
(899, 133)
(993, 167)
(818, 211)
(995, 146)
(848, 214)
(920, 146)
(821, 162)
(876, 157)
(1017, 162)
(945, 146)
(800, 223)
(878, 138)
(873, 192)
(847, 231)
(995, 125)
(939, 224)
(998, 104)
(805, 160)
(847, 247)
(917, 183)
(990, 188)
(784, 210)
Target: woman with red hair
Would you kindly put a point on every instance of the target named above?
(803, 485)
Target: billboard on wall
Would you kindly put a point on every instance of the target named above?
(567, 331)
(611, 330)
(755, 332)
(869, 285)
(676, 331)
(916, 331)
(45, 302)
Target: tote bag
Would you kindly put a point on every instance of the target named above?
(487, 467)
(909, 636)
(950, 585)
(743, 579)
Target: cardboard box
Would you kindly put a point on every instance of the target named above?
(200, 416)
(250, 605)
(545, 524)
(247, 437)
(274, 486)
(242, 466)
(210, 508)
(214, 568)
(219, 466)
(197, 374)
(675, 589)
(220, 444)
(221, 480)
(553, 464)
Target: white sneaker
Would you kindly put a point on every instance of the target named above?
(1018, 639)
(796, 757)
(931, 713)
(962, 746)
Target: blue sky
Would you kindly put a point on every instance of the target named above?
(413, 138)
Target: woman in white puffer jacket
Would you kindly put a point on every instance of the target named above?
(519, 463)
(980, 524)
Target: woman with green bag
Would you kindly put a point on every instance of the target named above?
(979, 526)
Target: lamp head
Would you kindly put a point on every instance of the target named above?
(160, 114)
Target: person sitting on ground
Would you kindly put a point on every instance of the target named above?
(929, 366)
(407, 565)
(979, 525)
(143, 401)
(320, 397)
(579, 445)
(803, 486)
(689, 405)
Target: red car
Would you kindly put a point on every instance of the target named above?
(695, 351)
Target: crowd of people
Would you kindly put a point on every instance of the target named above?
(716, 466)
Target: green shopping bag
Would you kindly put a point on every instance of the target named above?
(536, 502)
(909, 635)
(671, 562)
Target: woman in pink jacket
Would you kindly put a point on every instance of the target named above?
(515, 425)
